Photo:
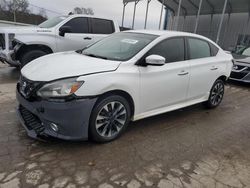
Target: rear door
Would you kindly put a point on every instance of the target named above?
(100, 28)
(205, 67)
(78, 38)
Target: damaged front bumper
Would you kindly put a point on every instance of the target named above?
(8, 57)
(64, 120)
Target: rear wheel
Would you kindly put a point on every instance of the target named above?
(109, 118)
(216, 94)
(30, 56)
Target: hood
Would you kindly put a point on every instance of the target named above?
(67, 64)
(241, 58)
(24, 30)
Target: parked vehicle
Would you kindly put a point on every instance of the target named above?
(131, 75)
(20, 45)
(241, 68)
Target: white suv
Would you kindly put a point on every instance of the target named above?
(20, 45)
(126, 76)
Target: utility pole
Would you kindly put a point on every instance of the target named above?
(14, 7)
(163, 2)
(133, 23)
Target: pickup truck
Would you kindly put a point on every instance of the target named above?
(20, 45)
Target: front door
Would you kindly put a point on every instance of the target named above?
(79, 37)
(166, 85)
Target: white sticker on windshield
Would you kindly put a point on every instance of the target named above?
(130, 41)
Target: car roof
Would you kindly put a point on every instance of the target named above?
(166, 33)
(87, 16)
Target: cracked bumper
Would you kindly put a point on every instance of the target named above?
(72, 118)
(7, 57)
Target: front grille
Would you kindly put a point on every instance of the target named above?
(27, 87)
(2, 41)
(32, 122)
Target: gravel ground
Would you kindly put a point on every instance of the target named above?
(192, 147)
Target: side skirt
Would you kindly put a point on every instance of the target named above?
(169, 108)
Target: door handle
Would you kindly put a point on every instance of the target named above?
(214, 68)
(87, 38)
(183, 73)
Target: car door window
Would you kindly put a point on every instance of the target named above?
(102, 26)
(171, 49)
(78, 25)
(198, 48)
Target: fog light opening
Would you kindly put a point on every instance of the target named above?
(54, 127)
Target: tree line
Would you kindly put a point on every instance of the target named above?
(18, 11)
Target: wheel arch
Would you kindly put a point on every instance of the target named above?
(223, 78)
(25, 48)
(122, 93)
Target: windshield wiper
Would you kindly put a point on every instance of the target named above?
(96, 56)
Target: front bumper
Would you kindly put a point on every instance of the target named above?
(7, 57)
(240, 73)
(72, 118)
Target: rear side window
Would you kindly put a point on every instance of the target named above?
(171, 49)
(102, 26)
(214, 49)
(78, 25)
(198, 48)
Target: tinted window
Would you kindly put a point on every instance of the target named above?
(101, 26)
(198, 48)
(78, 25)
(171, 49)
(214, 49)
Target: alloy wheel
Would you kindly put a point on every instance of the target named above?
(111, 119)
(217, 94)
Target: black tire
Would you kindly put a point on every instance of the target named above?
(30, 56)
(216, 94)
(111, 121)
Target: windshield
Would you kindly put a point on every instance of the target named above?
(245, 51)
(52, 22)
(120, 46)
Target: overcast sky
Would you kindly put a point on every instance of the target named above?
(107, 8)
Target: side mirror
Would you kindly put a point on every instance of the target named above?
(156, 60)
(64, 29)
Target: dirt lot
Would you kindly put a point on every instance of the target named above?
(193, 147)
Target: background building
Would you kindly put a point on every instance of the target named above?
(226, 22)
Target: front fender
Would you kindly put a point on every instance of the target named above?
(34, 39)
(100, 83)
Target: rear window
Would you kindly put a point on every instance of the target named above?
(102, 26)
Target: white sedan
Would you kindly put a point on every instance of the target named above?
(95, 93)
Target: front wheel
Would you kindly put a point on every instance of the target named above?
(109, 118)
(30, 56)
(216, 94)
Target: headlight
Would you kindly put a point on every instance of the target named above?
(60, 88)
